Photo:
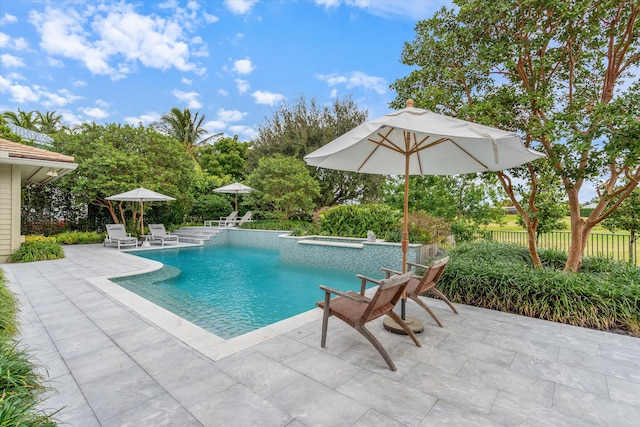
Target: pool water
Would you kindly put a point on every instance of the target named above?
(232, 290)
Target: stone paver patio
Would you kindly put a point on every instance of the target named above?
(114, 360)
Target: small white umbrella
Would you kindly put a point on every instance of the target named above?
(236, 188)
(140, 195)
(413, 141)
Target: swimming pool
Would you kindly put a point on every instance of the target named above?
(231, 290)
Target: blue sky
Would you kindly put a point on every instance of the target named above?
(234, 61)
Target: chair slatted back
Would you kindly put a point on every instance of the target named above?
(386, 297)
(432, 275)
(117, 231)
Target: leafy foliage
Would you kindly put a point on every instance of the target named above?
(356, 220)
(450, 197)
(282, 188)
(565, 83)
(40, 250)
(298, 129)
(210, 206)
(79, 237)
(602, 295)
(113, 159)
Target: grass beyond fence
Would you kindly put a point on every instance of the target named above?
(614, 246)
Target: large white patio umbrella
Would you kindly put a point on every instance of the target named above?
(236, 188)
(140, 195)
(413, 141)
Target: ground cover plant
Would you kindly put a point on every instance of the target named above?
(20, 383)
(603, 294)
(37, 250)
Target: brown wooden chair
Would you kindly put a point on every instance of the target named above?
(357, 310)
(422, 285)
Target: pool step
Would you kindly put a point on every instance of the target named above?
(198, 235)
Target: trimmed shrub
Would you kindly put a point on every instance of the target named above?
(356, 220)
(39, 250)
(79, 237)
(603, 295)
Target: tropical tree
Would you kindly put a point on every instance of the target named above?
(449, 197)
(226, 158)
(297, 129)
(24, 119)
(560, 73)
(48, 123)
(186, 128)
(6, 133)
(113, 158)
(283, 188)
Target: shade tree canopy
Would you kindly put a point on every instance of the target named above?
(562, 74)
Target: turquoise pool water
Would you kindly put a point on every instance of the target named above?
(232, 290)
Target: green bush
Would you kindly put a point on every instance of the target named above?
(603, 295)
(39, 250)
(301, 228)
(79, 237)
(356, 220)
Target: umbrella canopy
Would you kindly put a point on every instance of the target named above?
(413, 141)
(140, 195)
(236, 188)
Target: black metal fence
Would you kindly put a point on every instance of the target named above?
(614, 246)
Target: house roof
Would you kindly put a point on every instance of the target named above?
(37, 166)
(30, 135)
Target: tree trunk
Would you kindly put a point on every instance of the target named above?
(632, 247)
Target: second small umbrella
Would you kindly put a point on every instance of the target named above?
(236, 188)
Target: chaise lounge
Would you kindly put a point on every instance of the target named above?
(117, 235)
(158, 233)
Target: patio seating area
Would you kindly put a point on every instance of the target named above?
(112, 366)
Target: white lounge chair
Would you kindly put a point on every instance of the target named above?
(223, 222)
(158, 233)
(245, 218)
(116, 234)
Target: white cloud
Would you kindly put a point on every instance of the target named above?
(187, 81)
(248, 132)
(102, 103)
(239, 7)
(10, 61)
(95, 112)
(8, 19)
(223, 92)
(54, 63)
(16, 43)
(24, 94)
(242, 85)
(356, 79)
(210, 19)
(145, 119)
(214, 126)
(334, 93)
(230, 115)
(267, 98)
(411, 9)
(190, 98)
(80, 83)
(243, 66)
(115, 32)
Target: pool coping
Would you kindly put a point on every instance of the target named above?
(205, 342)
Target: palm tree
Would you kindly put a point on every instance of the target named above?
(184, 127)
(49, 122)
(24, 119)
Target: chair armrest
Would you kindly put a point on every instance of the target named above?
(352, 297)
(389, 271)
(363, 283)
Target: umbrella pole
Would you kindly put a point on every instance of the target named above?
(236, 201)
(405, 225)
(141, 217)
